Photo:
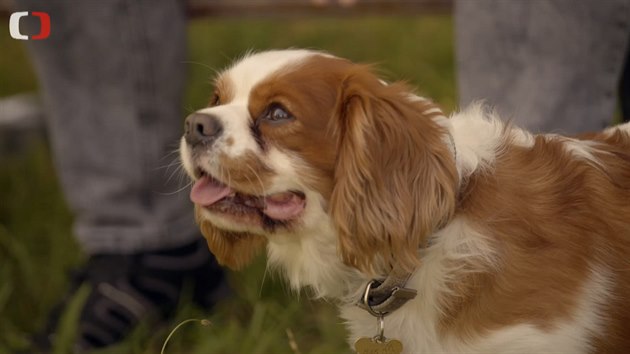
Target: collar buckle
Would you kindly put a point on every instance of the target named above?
(382, 298)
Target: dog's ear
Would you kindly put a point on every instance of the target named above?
(395, 177)
(231, 249)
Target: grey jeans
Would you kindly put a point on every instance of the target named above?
(112, 74)
(550, 65)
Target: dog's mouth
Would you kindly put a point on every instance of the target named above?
(216, 196)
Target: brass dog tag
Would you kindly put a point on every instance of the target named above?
(366, 345)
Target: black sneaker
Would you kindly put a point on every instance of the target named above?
(127, 289)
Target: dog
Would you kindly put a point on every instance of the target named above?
(480, 237)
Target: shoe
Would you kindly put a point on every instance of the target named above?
(127, 289)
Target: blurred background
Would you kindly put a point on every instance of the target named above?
(410, 40)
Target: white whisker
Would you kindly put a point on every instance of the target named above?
(262, 185)
(177, 191)
(262, 284)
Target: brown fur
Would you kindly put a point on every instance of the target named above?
(223, 90)
(308, 91)
(231, 249)
(551, 217)
(395, 178)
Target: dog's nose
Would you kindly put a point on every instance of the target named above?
(202, 128)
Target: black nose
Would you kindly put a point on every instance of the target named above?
(202, 128)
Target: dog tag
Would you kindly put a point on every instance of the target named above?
(378, 344)
(366, 345)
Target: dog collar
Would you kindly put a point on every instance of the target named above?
(382, 297)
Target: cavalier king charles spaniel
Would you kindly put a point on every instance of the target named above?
(511, 242)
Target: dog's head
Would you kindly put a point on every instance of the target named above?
(296, 139)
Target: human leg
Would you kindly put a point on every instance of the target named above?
(551, 65)
(112, 77)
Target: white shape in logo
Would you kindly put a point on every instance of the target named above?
(14, 25)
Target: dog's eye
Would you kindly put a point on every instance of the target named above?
(277, 114)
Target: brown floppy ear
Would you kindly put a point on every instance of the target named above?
(395, 177)
(231, 249)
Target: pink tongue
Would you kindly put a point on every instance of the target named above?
(283, 206)
(208, 191)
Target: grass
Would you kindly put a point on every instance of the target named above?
(36, 244)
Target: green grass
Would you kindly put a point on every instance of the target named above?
(36, 244)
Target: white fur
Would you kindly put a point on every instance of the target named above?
(625, 127)
(479, 136)
(186, 158)
(235, 120)
(310, 259)
(255, 67)
(580, 149)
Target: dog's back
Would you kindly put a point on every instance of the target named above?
(561, 228)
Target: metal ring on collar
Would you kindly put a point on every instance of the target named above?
(366, 301)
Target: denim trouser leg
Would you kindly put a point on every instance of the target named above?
(551, 65)
(112, 74)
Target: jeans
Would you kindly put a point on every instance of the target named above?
(549, 65)
(112, 76)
